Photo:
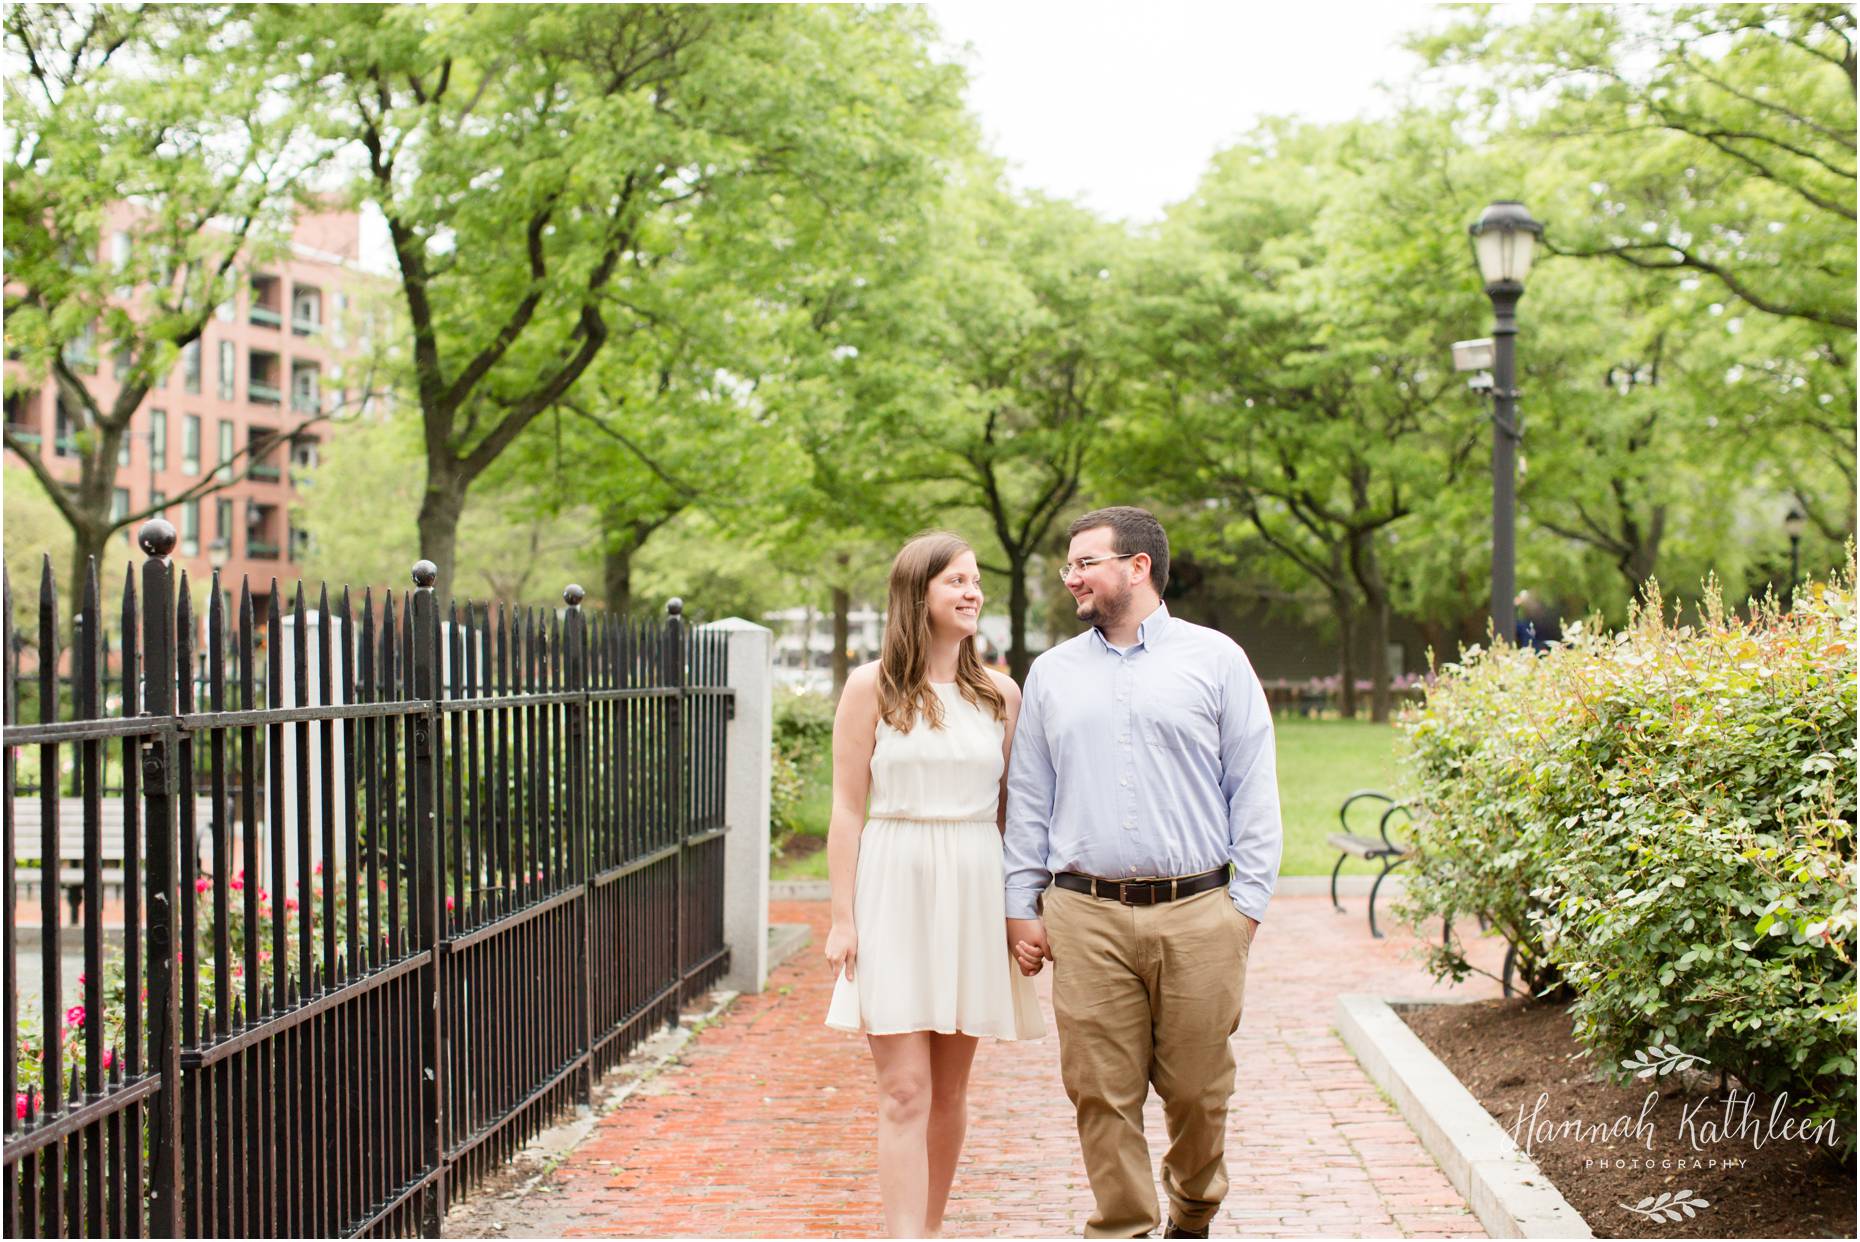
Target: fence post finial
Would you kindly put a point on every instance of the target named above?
(572, 595)
(156, 537)
(425, 573)
(674, 607)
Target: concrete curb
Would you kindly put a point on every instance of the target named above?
(1506, 1190)
(785, 940)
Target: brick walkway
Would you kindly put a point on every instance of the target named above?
(767, 1128)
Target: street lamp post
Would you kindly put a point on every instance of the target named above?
(1504, 242)
(1794, 522)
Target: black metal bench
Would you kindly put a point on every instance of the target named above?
(1382, 848)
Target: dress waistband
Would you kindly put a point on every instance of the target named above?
(916, 819)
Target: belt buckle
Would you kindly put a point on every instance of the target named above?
(1121, 897)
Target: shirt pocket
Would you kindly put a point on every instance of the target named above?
(1177, 726)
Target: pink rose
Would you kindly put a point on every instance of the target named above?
(74, 1016)
(202, 884)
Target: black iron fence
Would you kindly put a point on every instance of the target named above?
(447, 872)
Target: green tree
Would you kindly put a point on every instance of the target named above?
(541, 170)
(153, 109)
(1297, 312)
(1013, 378)
(1709, 152)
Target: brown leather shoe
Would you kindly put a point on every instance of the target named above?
(1173, 1230)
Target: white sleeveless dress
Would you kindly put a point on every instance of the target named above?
(927, 901)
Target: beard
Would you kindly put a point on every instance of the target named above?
(1102, 610)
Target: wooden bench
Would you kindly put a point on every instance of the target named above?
(28, 843)
(1382, 848)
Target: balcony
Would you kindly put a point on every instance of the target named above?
(264, 467)
(306, 388)
(265, 310)
(261, 551)
(261, 386)
(306, 310)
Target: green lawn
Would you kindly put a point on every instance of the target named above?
(1321, 762)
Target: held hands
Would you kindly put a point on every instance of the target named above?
(842, 949)
(1027, 942)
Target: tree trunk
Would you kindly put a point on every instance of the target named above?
(1341, 608)
(440, 510)
(1019, 661)
(1368, 574)
(617, 567)
(842, 636)
(1379, 662)
(88, 542)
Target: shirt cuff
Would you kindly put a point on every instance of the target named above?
(1251, 901)
(1021, 903)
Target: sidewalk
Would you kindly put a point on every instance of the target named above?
(766, 1129)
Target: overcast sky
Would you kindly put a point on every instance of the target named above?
(1121, 104)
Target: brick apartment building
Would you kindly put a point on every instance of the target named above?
(267, 359)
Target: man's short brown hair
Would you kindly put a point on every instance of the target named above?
(1133, 530)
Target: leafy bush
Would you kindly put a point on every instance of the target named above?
(803, 732)
(1663, 820)
(803, 722)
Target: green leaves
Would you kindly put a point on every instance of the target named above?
(1681, 802)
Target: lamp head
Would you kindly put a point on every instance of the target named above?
(1794, 523)
(1504, 242)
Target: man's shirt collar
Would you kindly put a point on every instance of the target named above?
(1149, 633)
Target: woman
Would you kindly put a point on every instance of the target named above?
(918, 931)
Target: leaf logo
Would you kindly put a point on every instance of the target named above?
(1656, 1059)
(1671, 1206)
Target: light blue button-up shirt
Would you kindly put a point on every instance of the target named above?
(1152, 760)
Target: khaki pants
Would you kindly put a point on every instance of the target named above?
(1148, 995)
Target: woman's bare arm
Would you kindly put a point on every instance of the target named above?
(1012, 693)
(855, 733)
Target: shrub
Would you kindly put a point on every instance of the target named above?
(1663, 820)
(803, 732)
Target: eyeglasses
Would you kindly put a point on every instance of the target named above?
(1071, 569)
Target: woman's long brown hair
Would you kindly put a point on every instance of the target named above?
(904, 691)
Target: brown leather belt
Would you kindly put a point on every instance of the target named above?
(1142, 892)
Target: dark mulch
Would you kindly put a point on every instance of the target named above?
(1511, 1052)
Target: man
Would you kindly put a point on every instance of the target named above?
(1142, 789)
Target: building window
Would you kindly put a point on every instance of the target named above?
(158, 501)
(306, 391)
(190, 444)
(64, 439)
(306, 310)
(190, 528)
(226, 451)
(119, 504)
(122, 449)
(119, 251)
(81, 350)
(120, 359)
(228, 360)
(158, 439)
(190, 366)
(223, 525)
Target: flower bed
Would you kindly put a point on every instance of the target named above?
(1609, 1149)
